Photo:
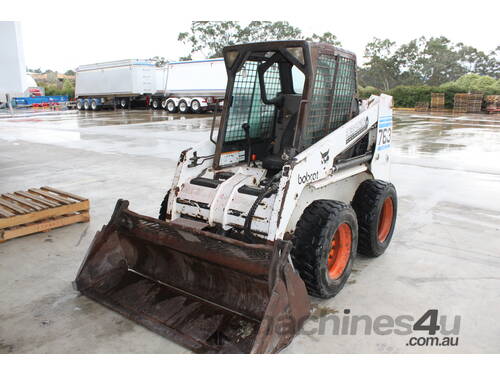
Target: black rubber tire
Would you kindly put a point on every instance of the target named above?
(183, 104)
(199, 110)
(367, 203)
(155, 104)
(162, 215)
(163, 104)
(175, 109)
(123, 103)
(93, 105)
(312, 243)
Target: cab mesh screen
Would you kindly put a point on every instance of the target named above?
(332, 97)
(247, 106)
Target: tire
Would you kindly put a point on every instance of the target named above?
(163, 104)
(123, 103)
(376, 206)
(171, 108)
(195, 106)
(162, 215)
(86, 105)
(93, 105)
(183, 107)
(79, 105)
(323, 264)
(155, 104)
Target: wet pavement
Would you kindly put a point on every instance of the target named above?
(445, 253)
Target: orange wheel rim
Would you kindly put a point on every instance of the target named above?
(338, 257)
(385, 220)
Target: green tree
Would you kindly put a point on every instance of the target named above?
(380, 69)
(69, 72)
(327, 37)
(441, 62)
(410, 62)
(210, 37)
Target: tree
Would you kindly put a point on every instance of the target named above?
(327, 37)
(441, 62)
(410, 62)
(210, 37)
(159, 60)
(381, 69)
(69, 72)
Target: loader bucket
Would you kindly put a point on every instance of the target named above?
(207, 292)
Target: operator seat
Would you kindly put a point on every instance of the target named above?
(275, 161)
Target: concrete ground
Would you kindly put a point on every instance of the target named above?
(445, 253)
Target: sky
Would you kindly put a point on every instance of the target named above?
(61, 35)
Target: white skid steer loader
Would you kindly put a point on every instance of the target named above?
(275, 209)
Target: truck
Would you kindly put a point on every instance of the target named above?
(120, 83)
(196, 86)
(180, 86)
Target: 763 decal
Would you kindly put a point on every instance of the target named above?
(384, 138)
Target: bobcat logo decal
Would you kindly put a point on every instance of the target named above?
(325, 156)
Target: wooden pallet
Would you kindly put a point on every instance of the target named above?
(39, 210)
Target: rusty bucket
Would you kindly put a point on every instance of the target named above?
(205, 291)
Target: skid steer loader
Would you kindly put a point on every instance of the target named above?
(272, 210)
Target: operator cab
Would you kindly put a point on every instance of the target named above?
(265, 86)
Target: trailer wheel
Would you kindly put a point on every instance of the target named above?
(155, 104)
(171, 106)
(195, 106)
(376, 206)
(79, 105)
(162, 215)
(325, 243)
(163, 104)
(123, 103)
(183, 107)
(93, 105)
(86, 104)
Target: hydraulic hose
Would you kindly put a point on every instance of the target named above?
(269, 188)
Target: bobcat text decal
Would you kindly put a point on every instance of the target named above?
(308, 177)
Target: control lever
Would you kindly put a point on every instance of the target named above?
(246, 129)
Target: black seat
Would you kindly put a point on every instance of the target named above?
(274, 161)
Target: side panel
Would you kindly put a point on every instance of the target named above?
(381, 163)
(314, 165)
(192, 78)
(342, 190)
(122, 79)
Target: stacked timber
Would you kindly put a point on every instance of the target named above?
(470, 103)
(422, 106)
(437, 100)
(474, 103)
(460, 102)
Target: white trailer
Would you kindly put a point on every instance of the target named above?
(194, 86)
(180, 86)
(123, 83)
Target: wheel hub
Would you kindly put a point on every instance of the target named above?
(338, 257)
(385, 219)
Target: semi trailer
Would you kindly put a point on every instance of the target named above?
(120, 83)
(183, 86)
